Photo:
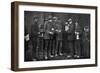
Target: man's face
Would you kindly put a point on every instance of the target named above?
(55, 19)
(49, 20)
(35, 19)
(66, 23)
(76, 23)
(70, 21)
(86, 29)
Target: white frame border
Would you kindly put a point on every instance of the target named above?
(33, 64)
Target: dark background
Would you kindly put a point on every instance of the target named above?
(83, 20)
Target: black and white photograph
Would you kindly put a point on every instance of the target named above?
(53, 36)
(56, 36)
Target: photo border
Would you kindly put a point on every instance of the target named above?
(15, 34)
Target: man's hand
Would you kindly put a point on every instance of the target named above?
(50, 32)
(27, 37)
(66, 28)
(58, 30)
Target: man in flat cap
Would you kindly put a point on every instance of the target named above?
(34, 37)
(70, 37)
(77, 48)
(47, 37)
(58, 37)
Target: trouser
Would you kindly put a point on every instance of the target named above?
(53, 46)
(36, 48)
(39, 48)
(28, 51)
(77, 48)
(85, 51)
(71, 47)
(34, 44)
(58, 48)
(46, 46)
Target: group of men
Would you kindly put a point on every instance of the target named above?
(49, 38)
